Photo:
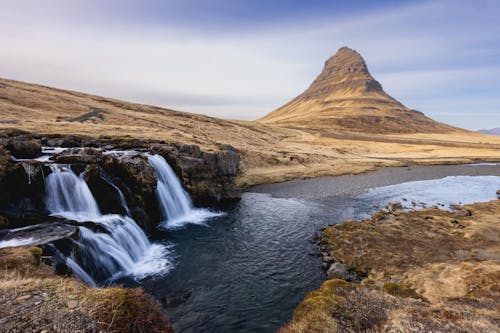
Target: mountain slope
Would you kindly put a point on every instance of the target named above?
(493, 131)
(346, 97)
(268, 153)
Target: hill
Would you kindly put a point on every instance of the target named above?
(493, 131)
(269, 153)
(346, 97)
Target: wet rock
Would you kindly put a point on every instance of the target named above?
(104, 191)
(209, 177)
(327, 259)
(80, 156)
(24, 192)
(139, 177)
(24, 147)
(394, 206)
(41, 234)
(178, 298)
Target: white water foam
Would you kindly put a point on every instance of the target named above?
(451, 190)
(176, 206)
(116, 246)
(16, 242)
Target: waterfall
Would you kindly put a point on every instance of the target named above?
(122, 249)
(175, 204)
(69, 196)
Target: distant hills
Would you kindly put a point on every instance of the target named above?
(493, 131)
(346, 97)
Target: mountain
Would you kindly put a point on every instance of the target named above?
(346, 97)
(493, 131)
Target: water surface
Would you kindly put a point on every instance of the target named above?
(246, 271)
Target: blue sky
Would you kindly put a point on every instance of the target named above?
(241, 59)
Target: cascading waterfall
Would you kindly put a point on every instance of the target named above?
(176, 206)
(69, 196)
(116, 247)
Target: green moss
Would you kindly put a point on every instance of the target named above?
(396, 289)
(37, 253)
(322, 301)
(130, 310)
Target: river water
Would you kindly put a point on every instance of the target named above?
(246, 271)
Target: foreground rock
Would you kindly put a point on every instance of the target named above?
(35, 300)
(427, 271)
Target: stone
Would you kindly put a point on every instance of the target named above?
(72, 304)
(338, 271)
(498, 193)
(393, 206)
(21, 147)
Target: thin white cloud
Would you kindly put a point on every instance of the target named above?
(413, 50)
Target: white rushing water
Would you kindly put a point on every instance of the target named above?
(451, 190)
(175, 204)
(116, 246)
(16, 242)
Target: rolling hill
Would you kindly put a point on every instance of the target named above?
(311, 136)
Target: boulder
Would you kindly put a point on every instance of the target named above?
(338, 271)
(394, 206)
(80, 156)
(40, 234)
(24, 147)
(498, 193)
(104, 191)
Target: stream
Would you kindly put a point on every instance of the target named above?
(246, 271)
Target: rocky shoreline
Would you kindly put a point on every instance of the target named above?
(400, 271)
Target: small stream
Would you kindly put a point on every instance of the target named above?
(247, 270)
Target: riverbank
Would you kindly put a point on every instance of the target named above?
(35, 299)
(424, 270)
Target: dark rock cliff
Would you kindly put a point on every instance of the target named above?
(209, 177)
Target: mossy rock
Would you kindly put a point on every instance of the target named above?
(325, 300)
(130, 310)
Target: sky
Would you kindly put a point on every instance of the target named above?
(240, 59)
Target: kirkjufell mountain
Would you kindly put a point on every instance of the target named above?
(346, 97)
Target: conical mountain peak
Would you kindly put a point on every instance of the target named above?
(346, 97)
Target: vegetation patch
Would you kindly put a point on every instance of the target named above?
(446, 264)
(94, 115)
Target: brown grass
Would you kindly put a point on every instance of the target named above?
(269, 153)
(427, 270)
(34, 299)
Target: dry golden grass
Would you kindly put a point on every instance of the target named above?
(269, 153)
(33, 299)
(427, 270)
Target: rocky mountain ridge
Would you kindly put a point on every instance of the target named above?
(346, 97)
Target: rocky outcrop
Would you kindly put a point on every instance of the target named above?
(137, 180)
(209, 177)
(22, 146)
